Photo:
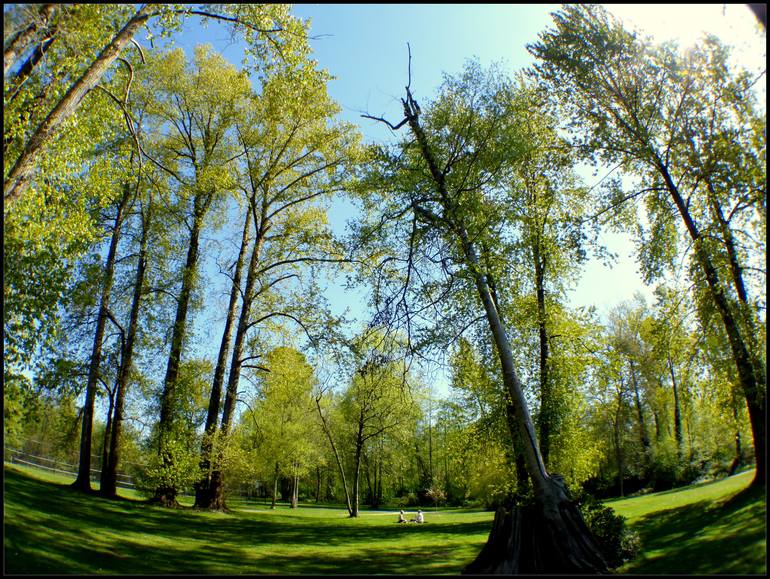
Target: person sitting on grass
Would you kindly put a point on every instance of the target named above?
(419, 518)
(401, 518)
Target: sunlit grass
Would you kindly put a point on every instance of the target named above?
(717, 527)
(706, 529)
(52, 529)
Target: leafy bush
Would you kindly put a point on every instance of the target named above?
(435, 495)
(617, 543)
(180, 471)
(406, 500)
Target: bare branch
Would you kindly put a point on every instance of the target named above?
(380, 119)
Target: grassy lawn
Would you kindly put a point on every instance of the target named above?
(707, 529)
(716, 527)
(51, 529)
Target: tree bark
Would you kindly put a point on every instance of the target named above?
(526, 538)
(106, 437)
(294, 491)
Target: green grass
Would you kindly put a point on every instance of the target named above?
(52, 529)
(717, 527)
(49, 529)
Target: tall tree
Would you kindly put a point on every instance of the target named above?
(196, 108)
(215, 399)
(108, 483)
(548, 231)
(83, 480)
(447, 183)
(296, 156)
(688, 126)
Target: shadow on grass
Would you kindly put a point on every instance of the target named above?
(705, 538)
(51, 528)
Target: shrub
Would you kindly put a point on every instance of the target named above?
(180, 473)
(435, 495)
(617, 543)
(406, 500)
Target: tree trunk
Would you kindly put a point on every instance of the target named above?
(203, 495)
(328, 432)
(108, 486)
(369, 486)
(357, 472)
(522, 538)
(18, 177)
(751, 370)
(643, 437)
(216, 499)
(109, 473)
(106, 438)
(295, 491)
(563, 535)
(275, 487)
(619, 442)
(546, 395)
(166, 495)
(677, 412)
(83, 480)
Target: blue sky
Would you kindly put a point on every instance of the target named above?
(365, 47)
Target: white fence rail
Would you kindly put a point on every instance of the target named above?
(15, 456)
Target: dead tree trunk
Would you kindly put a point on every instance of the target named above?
(556, 539)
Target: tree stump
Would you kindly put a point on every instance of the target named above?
(534, 540)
